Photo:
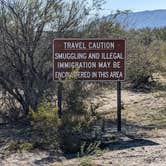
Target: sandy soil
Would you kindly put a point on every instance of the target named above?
(143, 137)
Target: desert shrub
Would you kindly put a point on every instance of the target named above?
(143, 57)
(14, 146)
(86, 162)
(74, 95)
(26, 146)
(77, 120)
(91, 149)
(45, 123)
(74, 131)
(70, 132)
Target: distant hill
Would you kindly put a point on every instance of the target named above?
(139, 20)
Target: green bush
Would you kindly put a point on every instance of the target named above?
(77, 120)
(86, 162)
(26, 146)
(14, 146)
(45, 124)
(71, 133)
(143, 58)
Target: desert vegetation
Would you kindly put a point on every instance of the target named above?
(28, 94)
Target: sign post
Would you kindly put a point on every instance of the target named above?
(94, 59)
(59, 95)
(118, 106)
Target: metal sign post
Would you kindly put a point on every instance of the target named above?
(118, 106)
(59, 95)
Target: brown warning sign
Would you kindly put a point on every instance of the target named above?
(94, 59)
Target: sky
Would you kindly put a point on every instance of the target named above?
(133, 5)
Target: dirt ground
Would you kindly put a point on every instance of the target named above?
(143, 136)
(142, 141)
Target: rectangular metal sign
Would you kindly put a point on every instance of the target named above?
(94, 59)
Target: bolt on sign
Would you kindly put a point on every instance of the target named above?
(95, 59)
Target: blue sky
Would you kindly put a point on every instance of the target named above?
(134, 5)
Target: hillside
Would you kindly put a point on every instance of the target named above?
(139, 20)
